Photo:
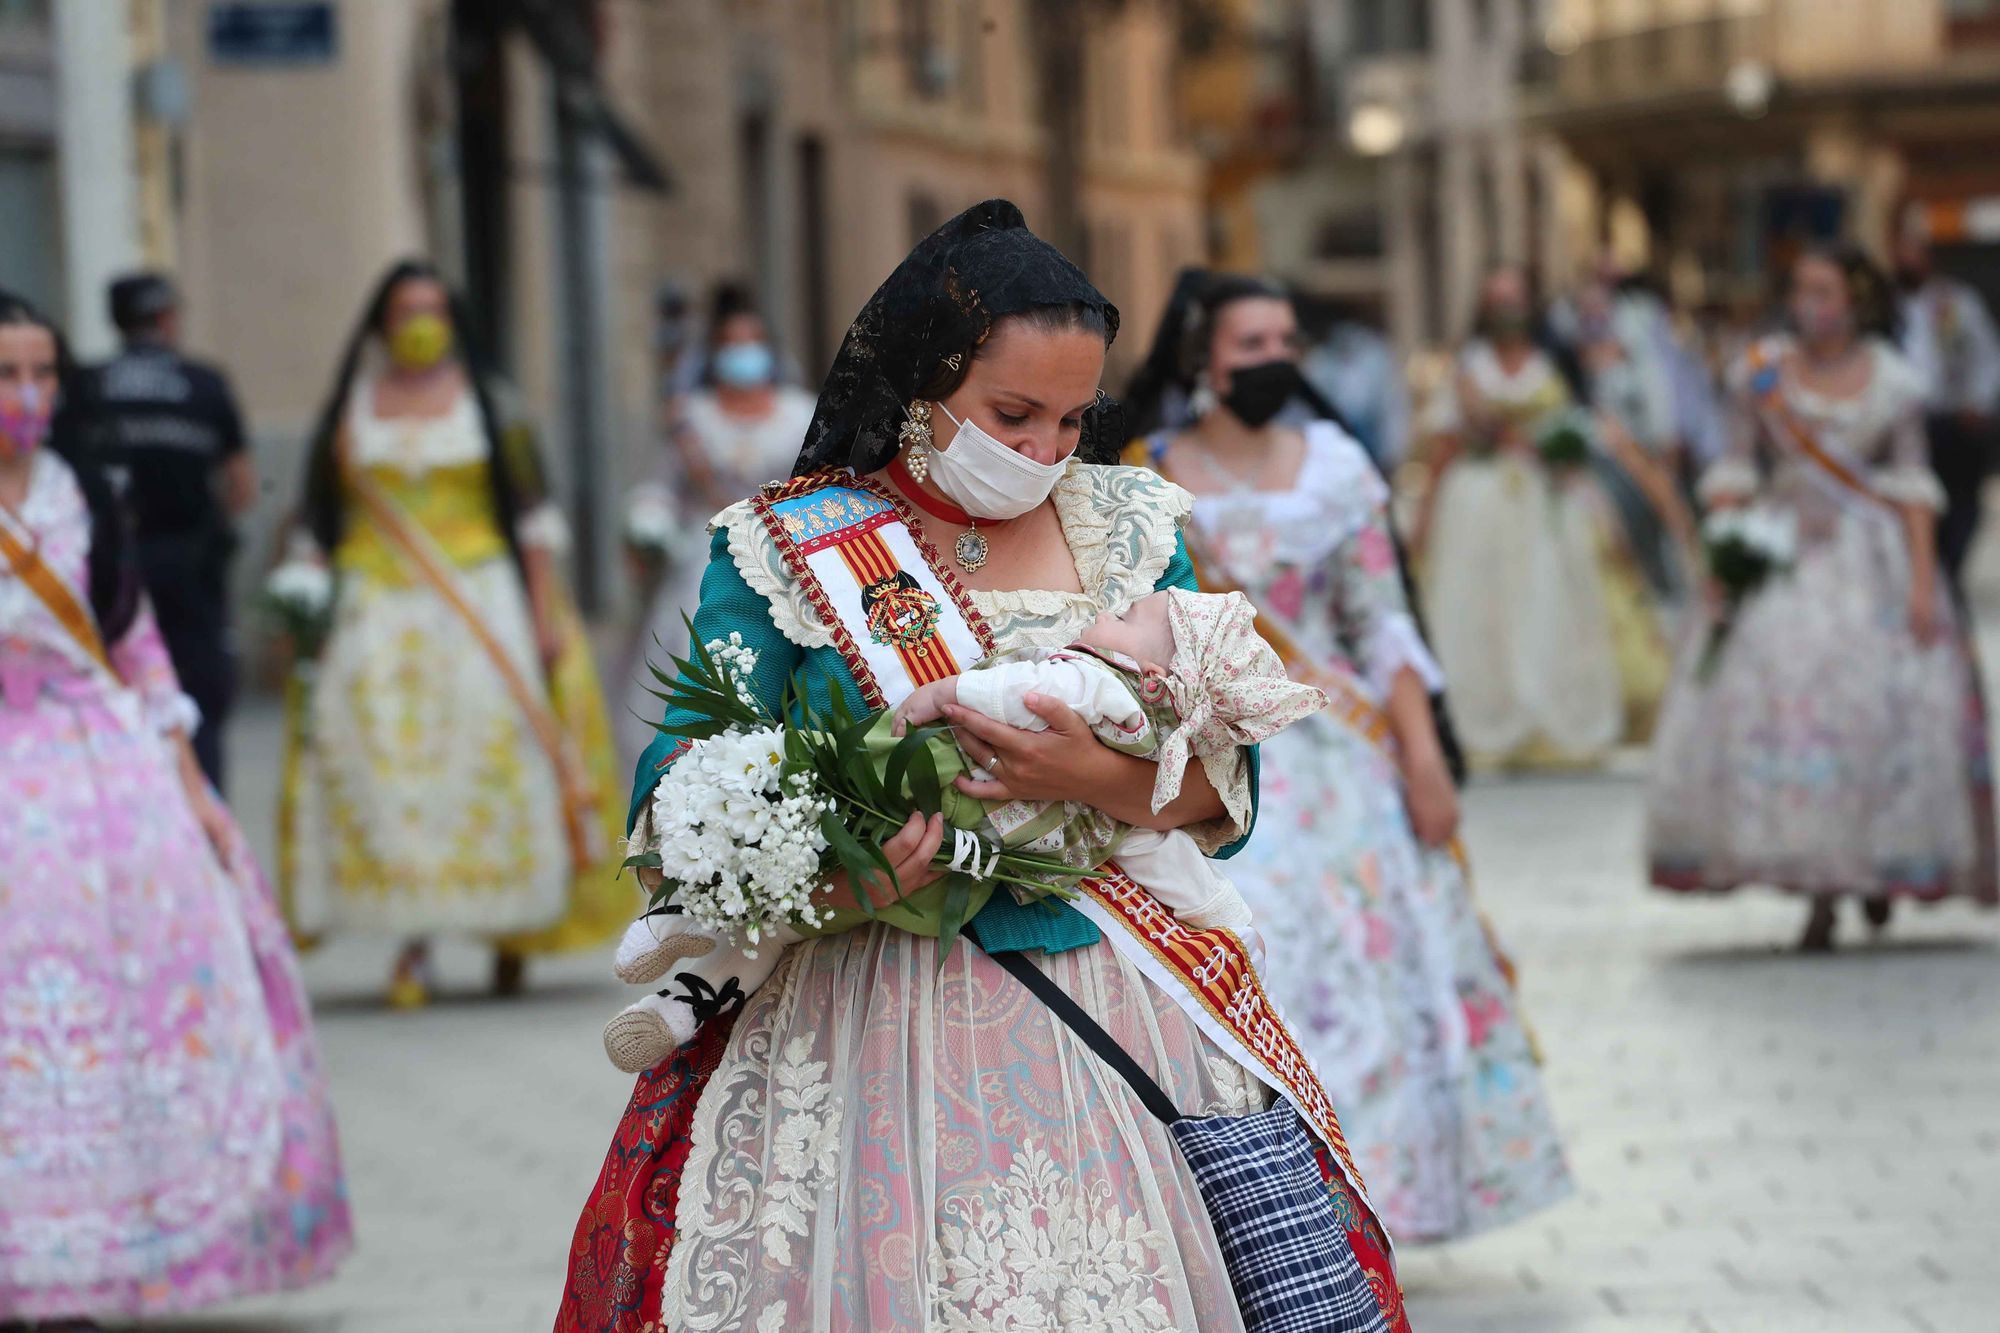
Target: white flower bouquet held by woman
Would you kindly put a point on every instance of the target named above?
(298, 596)
(761, 808)
(1745, 548)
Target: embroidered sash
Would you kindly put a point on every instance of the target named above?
(27, 565)
(1208, 973)
(422, 557)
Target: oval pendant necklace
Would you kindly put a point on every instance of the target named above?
(970, 550)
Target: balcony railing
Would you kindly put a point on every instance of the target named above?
(1678, 58)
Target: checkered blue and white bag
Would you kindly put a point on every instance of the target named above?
(1289, 1258)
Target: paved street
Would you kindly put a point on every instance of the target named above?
(1764, 1142)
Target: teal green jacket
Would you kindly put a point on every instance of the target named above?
(728, 603)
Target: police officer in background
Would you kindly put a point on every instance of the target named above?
(174, 428)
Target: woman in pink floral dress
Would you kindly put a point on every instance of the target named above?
(165, 1138)
(1374, 946)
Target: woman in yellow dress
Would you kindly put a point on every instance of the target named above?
(449, 764)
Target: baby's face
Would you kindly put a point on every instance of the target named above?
(1140, 631)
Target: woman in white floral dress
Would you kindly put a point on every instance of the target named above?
(1535, 606)
(877, 1139)
(1834, 744)
(1375, 948)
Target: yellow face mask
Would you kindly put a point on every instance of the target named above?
(420, 342)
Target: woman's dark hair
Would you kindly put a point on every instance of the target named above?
(323, 508)
(928, 321)
(74, 437)
(1184, 340)
(1869, 293)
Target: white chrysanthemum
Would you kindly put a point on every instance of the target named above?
(740, 842)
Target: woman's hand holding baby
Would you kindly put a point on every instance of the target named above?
(1063, 763)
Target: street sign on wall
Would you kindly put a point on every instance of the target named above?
(272, 33)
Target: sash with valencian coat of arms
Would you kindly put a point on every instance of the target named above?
(899, 619)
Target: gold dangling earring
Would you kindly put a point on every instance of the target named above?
(915, 439)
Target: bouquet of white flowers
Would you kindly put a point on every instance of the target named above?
(1745, 548)
(762, 806)
(298, 596)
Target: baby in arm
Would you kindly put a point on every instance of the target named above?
(1178, 675)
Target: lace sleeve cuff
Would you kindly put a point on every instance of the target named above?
(1395, 644)
(171, 711)
(1908, 485)
(545, 528)
(1230, 773)
(1728, 479)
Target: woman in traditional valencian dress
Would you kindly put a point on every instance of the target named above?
(165, 1138)
(1375, 949)
(740, 429)
(1537, 612)
(450, 765)
(1829, 739)
(876, 1140)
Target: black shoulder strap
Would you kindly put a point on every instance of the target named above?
(1083, 1025)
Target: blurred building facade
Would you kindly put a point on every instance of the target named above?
(276, 156)
(1711, 137)
(1373, 152)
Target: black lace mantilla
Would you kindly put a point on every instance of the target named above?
(941, 301)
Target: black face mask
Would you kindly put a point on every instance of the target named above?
(1258, 393)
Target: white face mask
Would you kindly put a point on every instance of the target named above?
(987, 479)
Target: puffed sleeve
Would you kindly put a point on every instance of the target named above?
(1381, 633)
(1904, 475)
(141, 660)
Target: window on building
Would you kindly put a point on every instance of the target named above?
(1354, 234)
(1972, 22)
(925, 215)
(926, 61)
(1389, 27)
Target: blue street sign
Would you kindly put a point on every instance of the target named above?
(272, 33)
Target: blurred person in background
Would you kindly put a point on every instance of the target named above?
(176, 434)
(1949, 339)
(1374, 947)
(1609, 350)
(450, 767)
(1355, 368)
(1825, 734)
(1538, 612)
(166, 1142)
(740, 427)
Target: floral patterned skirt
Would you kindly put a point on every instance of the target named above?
(882, 1144)
(1824, 750)
(1384, 967)
(165, 1137)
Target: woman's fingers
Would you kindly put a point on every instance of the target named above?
(990, 737)
(905, 839)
